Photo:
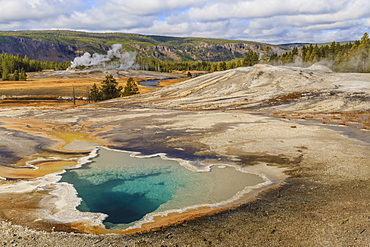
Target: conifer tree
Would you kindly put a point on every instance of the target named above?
(266, 54)
(214, 67)
(110, 89)
(365, 39)
(15, 75)
(221, 66)
(130, 88)
(251, 58)
(364, 51)
(95, 93)
(23, 75)
(5, 73)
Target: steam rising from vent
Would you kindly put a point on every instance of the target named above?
(114, 59)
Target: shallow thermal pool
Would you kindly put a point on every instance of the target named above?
(127, 188)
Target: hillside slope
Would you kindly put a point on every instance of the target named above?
(61, 46)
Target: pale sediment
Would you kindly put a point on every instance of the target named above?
(324, 201)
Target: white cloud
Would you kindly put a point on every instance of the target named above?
(23, 10)
(145, 7)
(262, 9)
(273, 21)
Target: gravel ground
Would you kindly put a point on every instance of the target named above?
(323, 202)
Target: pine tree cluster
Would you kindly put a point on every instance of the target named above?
(347, 57)
(109, 89)
(14, 68)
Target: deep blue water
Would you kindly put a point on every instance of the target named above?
(126, 188)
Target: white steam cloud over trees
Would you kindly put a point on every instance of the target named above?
(114, 59)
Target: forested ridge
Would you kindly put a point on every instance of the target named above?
(64, 45)
(346, 57)
(340, 57)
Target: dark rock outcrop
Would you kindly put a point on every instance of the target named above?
(37, 49)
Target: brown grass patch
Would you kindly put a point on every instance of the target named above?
(39, 103)
(286, 98)
(48, 92)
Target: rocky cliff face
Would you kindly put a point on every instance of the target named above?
(68, 48)
(203, 51)
(37, 49)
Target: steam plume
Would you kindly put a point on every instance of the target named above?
(114, 59)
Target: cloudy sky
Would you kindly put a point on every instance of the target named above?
(269, 21)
